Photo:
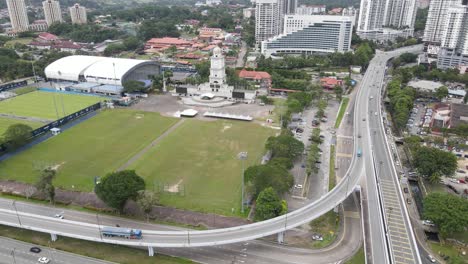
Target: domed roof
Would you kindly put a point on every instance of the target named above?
(217, 51)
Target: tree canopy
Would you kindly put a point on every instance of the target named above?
(269, 175)
(441, 92)
(16, 135)
(268, 205)
(133, 86)
(285, 146)
(432, 161)
(448, 212)
(45, 183)
(117, 187)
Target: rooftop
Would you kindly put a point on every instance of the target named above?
(257, 75)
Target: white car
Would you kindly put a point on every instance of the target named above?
(428, 222)
(43, 260)
(431, 258)
(298, 186)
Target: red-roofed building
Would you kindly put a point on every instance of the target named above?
(261, 78)
(330, 83)
(166, 42)
(46, 37)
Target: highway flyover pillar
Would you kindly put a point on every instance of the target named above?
(280, 237)
(53, 237)
(150, 251)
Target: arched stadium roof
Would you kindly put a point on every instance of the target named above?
(101, 70)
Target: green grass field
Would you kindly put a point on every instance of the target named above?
(6, 122)
(201, 158)
(343, 107)
(358, 258)
(46, 105)
(92, 148)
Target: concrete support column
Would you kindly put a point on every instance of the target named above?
(150, 251)
(53, 237)
(280, 237)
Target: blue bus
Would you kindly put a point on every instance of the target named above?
(121, 232)
(359, 152)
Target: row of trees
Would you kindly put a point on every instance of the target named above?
(401, 101)
(84, 33)
(129, 43)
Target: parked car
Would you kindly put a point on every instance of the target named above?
(43, 260)
(298, 186)
(317, 237)
(408, 200)
(431, 258)
(428, 222)
(405, 189)
(35, 250)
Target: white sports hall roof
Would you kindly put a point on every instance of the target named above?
(101, 70)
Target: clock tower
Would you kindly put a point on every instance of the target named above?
(217, 69)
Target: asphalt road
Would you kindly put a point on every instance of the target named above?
(389, 224)
(17, 252)
(257, 251)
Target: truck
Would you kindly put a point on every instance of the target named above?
(359, 152)
(127, 233)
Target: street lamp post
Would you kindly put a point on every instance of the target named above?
(17, 215)
(13, 255)
(99, 227)
(242, 156)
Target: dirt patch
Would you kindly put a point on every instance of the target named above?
(56, 166)
(139, 116)
(174, 188)
(226, 127)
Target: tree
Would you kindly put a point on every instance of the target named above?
(265, 99)
(268, 205)
(133, 86)
(45, 184)
(131, 43)
(17, 135)
(285, 146)
(263, 176)
(283, 162)
(117, 187)
(433, 162)
(448, 212)
(461, 130)
(441, 92)
(339, 92)
(146, 200)
(112, 49)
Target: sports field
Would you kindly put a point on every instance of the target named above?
(46, 105)
(200, 158)
(6, 122)
(92, 148)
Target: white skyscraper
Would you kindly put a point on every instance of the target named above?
(52, 11)
(18, 15)
(309, 34)
(437, 20)
(78, 14)
(456, 32)
(268, 18)
(375, 15)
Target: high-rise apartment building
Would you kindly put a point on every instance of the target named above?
(437, 20)
(308, 34)
(268, 15)
(454, 41)
(375, 15)
(311, 9)
(18, 15)
(78, 14)
(289, 7)
(52, 11)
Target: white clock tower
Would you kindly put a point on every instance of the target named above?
(217, 69)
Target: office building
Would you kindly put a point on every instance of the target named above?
(311, 34)
(437, 20)
(352, 12)
(454, 41)
(52, 11)
(386, 19)
(289, 7)
(78, 14)
(18, 15)
(311, 10)
(267, 19)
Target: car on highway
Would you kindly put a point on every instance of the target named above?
(59, 216)
(431, 258)
(43, 260)
(364, 119)
(35, 250)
